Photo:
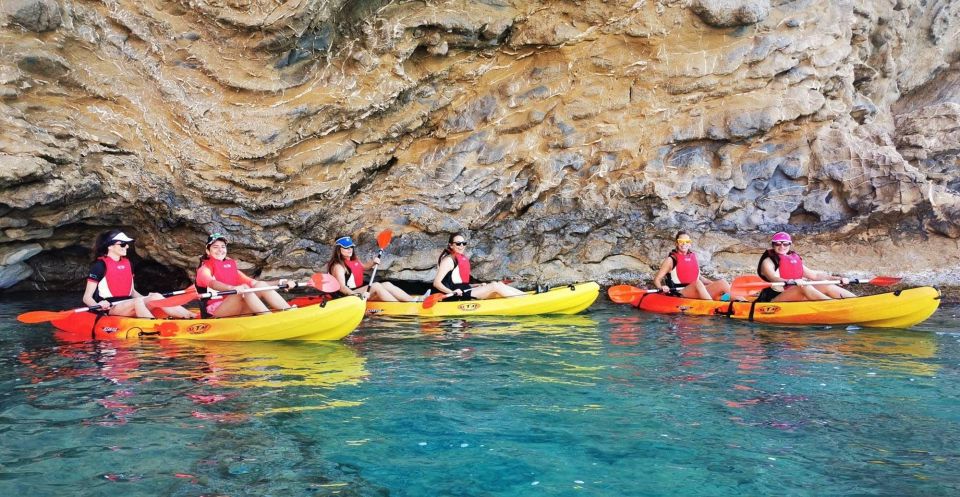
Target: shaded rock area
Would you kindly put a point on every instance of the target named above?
(569, 140)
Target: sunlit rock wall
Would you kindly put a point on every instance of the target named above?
(568, 139)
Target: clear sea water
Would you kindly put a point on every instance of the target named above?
(608, 403)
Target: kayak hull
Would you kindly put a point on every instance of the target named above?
(900, 309)
(569, 299)
(332, 321)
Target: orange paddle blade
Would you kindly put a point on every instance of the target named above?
(184, 296)
(383, 239)
(34, 317)
(883, 280)
(747, 286)
(624, 294)
(433, 299)
(324, 282)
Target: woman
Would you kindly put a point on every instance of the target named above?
(453, 275)
(219, 273)
(110, 281)
(781, 263)
(682, 268)
(346, 267)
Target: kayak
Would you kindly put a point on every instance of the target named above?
(900, 309)
(569, 299)
(331, 321)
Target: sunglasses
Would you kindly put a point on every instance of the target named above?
(782, 244)
(459, 244)
(684, 240)
(122, 244)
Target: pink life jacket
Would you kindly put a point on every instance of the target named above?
(355, 275)
(117, 281)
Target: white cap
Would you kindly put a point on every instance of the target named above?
(121, 237)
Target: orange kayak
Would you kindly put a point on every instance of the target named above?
(900, 309)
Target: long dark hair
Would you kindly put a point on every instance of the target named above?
(103, 242)
(337, 257)
(446, 250)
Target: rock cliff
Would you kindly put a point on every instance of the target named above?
(568, 139)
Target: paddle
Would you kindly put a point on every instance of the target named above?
(34, 317)
(744, 286)
(383, 239)
(625, 294)
(437, 297)
(324, 282)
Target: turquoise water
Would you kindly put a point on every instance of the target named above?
(608, 403)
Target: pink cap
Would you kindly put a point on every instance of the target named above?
(781, 237)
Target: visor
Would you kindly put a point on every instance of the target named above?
(345, 242)
(214, 237)
(121, 237)
(781, 237)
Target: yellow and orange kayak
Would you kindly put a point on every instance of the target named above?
(900, 309)
(331, 321)
(569, 299)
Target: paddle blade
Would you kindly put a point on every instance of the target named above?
(34, 317)
(325, 282)
(884, 280)
(383, 239)
(747, 286)
(433, 299)
(189, 295)
(624, 294)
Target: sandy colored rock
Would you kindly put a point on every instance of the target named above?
(568, 140)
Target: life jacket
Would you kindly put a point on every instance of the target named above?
(686, 269)
(788, 267)
(225, 271)
(117, 281)
(460, 274)
(354, 273)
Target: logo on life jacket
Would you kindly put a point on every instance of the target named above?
(198, 329)
(468, 307)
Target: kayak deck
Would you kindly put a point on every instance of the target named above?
(569, 299)
(332, 321)
(900, 309)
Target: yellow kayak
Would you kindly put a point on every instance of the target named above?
(332, 321)
(900, 309)
(569, 299)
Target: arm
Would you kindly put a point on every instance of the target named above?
(768, 271)
(340, 273)
(665, 268)
(88, 295)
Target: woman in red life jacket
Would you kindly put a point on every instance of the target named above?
(781, 263)
(346, 267)
(110, 281)
(220, 273)
(683, 271)
(453, 275)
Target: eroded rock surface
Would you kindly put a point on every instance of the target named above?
(570, 140)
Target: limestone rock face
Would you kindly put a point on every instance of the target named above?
(569, 140)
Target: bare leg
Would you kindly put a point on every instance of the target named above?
(379, 293)
(836, 292)
(799, 294)
(493, 290)
(271, 297)
(127, 308)
(717, 288)
(232, 305)
(397, 293)
(696, 290)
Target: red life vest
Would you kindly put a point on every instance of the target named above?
(224, 271)
(791, 266)
(788, 267)
(686, 269)
(117, 281)
(355, 273)
(462, 264)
